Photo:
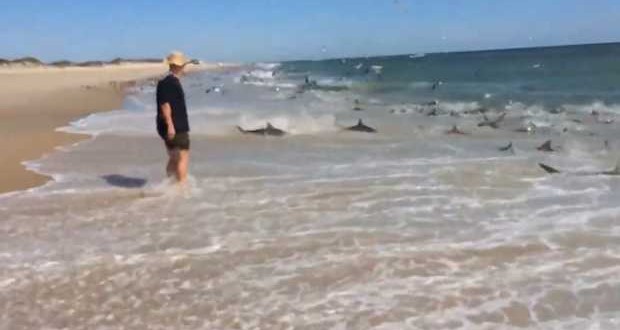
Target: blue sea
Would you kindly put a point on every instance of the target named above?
(411, 227)
(547, 76)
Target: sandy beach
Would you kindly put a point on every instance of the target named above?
(36, 101)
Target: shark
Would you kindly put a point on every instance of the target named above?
(546, 147)
(361, 127)
(269, 130)
(492, 123)
(507, 148)
(552, 170)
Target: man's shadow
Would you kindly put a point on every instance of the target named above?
(122, 181)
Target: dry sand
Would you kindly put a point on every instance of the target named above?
(36, 101)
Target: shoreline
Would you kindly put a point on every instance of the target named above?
(38, 101)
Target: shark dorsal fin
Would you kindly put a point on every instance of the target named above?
(546, 146)
(269, 125)
(617, 168)
(359, 122)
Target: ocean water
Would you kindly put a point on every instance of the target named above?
(408, 228)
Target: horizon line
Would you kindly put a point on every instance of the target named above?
(455, 51)
(482, 50)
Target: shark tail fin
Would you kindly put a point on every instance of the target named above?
(241, 129)
(549, 169)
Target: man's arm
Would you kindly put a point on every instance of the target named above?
(166, 112)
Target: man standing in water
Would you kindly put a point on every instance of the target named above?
(172, 122)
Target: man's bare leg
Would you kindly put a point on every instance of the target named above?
(182, 165)
(173, 157)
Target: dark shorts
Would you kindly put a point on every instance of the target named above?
(180, 141)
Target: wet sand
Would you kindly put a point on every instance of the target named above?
(36, 101)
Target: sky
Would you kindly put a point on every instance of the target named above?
(273, 30)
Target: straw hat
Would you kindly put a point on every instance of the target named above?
(176, 58)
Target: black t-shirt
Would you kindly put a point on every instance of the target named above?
(169, 90)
